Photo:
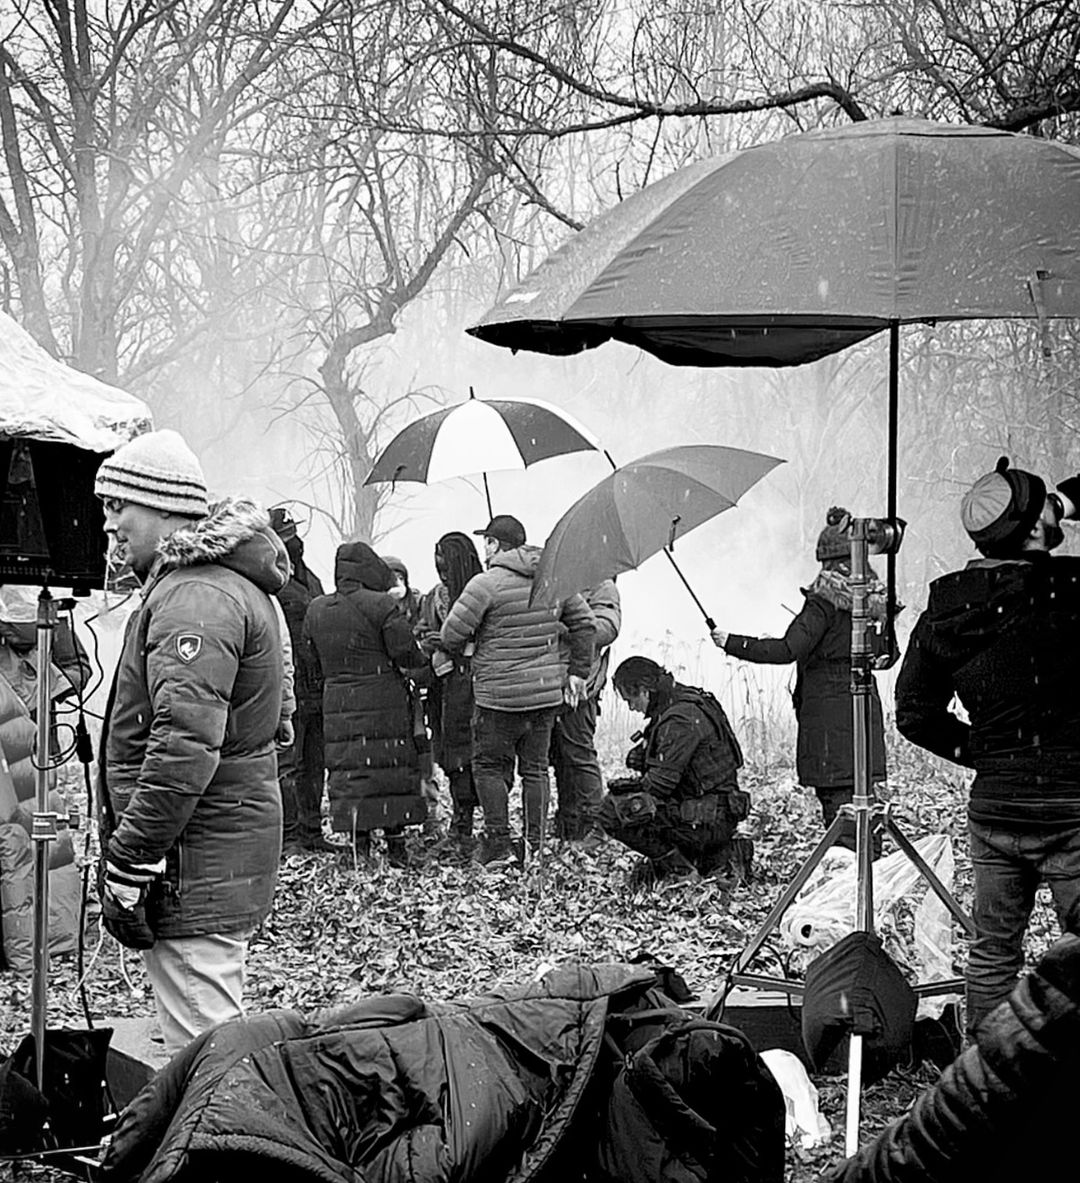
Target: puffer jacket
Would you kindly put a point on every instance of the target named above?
(1003, 635)
(519, 663)
(363, 647)
(1004, 1110)
(588, 1072)
(18, 668)
(818, 641)
(190, 769)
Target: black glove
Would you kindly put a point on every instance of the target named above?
(635, 758)
(124, 888)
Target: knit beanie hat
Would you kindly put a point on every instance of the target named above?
(1000, 509)
(834, 542)
(157, 470)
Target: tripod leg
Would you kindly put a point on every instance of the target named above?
(790, 892)
(939, 888)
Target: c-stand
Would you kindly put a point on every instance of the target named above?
(878, 536)
(44, 829)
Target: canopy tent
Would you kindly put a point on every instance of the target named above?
(44, 399)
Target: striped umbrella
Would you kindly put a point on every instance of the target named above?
(479, 436)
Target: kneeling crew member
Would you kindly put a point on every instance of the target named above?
(683, 810)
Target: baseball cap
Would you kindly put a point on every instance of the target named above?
(505, 528)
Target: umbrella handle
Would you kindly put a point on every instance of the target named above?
(709, 622)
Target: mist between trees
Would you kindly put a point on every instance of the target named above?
(273, 221)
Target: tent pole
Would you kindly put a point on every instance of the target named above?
(709, 622)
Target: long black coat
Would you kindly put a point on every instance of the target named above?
(362, 643)
(818, 640)
(450, 697)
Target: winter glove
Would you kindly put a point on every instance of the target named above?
(124, 889)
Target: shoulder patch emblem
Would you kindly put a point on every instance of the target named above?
(188, 646)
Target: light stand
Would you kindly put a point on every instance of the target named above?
(44, 830)
(868, 535)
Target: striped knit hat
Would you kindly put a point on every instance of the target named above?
(158, 470)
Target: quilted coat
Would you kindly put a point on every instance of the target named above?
(364, 649)
(510, 1087)
(523, 654)
(1005, 1109)
(818, 641)
(190, 766)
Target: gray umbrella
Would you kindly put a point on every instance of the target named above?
(641, 509)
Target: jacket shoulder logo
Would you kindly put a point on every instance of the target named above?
(188, 646)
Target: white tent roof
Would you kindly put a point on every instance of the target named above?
(44, 399)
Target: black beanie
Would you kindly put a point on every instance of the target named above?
(1000, 509)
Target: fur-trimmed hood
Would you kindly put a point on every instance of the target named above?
(235, 534)
(835, 588)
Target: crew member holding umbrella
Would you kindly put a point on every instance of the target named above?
(818, 641)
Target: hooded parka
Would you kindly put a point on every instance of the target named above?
(190, 767)
(363, 645)
(818, 641)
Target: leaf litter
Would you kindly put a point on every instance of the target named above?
(443, 930)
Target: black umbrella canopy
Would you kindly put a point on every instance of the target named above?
(789, 251)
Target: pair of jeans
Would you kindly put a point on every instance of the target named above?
(501, 739)
(198, 982)
(302, 772)
(578, 782)
(1007, 867)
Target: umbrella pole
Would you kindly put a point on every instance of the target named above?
(487, 494)
(710, 624)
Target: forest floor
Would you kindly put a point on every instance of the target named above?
(444, 931)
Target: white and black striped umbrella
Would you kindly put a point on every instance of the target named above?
(480, 436)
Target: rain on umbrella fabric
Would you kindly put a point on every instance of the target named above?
(479, 435)
(791, 250)
(640, 509)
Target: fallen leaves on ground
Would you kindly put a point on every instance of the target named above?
(441, 930)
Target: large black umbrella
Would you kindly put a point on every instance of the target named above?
(641, 509)
(791, 250)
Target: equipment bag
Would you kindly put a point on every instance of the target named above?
(692, 1103)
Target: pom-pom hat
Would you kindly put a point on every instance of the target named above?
(834, 542)
(1000, 509)
(157, 470)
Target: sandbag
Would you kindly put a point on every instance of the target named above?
(856, 988)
